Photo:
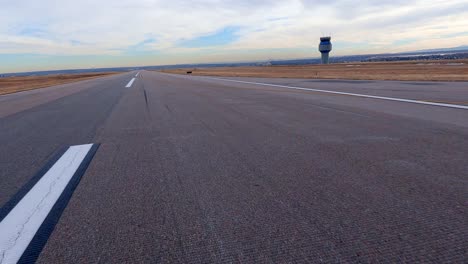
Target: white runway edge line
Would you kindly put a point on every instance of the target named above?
(19, 227)
(130, 83)
(350, 94)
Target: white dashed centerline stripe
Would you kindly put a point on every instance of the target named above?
(137, 74)
(21, 224)
(349, 94)
(130, 83)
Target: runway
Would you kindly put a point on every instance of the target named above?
(189, 169)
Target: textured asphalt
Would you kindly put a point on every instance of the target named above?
(197, 170)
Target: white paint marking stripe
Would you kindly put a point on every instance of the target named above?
(350, 94)
(137, 74)
(19, 227)
(130, 83)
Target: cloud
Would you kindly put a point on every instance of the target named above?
(204, 30)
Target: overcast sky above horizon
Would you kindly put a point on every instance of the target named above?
(51, 34)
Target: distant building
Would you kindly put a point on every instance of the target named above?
(267, 63)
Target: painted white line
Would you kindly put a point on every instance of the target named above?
(19, 227)
(130, 83)
(350, 94)
(138, 73)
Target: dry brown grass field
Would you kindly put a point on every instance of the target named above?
(453, 70)
(18, 84)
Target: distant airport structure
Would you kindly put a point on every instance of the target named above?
(325, 47)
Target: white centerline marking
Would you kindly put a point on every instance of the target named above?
(138, 73)
(19, 227)
(130, 83)
(350, 94)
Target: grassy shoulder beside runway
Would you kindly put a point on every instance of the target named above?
(453, 70)
(18, 84)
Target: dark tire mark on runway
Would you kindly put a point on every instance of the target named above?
(146, 100)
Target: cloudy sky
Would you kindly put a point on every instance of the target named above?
(61, 34)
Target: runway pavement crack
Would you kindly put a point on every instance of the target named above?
(168, 109)
(208, 127)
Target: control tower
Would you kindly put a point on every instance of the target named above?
(325, 47)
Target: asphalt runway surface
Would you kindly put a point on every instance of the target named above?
(201, 170)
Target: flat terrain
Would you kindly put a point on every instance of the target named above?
(18, 84)
(193, 169)
(404, 71)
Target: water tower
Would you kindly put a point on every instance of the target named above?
(325, 47)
